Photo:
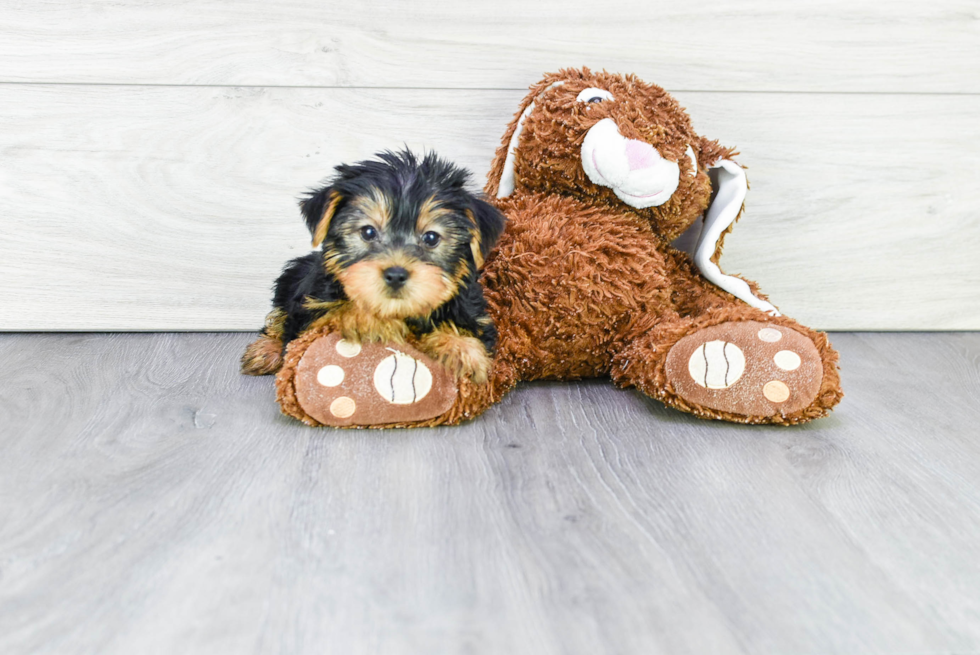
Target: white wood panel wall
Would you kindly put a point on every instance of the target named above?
(151, 152)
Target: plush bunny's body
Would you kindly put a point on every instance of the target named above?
(597, 175)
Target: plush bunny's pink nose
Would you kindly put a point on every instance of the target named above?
(640, 154)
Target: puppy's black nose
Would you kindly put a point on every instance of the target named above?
(395, 276)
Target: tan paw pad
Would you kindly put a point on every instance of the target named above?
(776, 391)
(341, 383)
(343, 407)
(748, 368)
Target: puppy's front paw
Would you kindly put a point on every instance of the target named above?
(262, 357)
(469, 359)
(461, 354)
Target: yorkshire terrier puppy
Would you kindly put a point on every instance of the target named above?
(401, 244)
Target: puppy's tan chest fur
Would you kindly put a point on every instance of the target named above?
(357, 324)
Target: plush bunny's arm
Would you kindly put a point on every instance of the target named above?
(732, 188)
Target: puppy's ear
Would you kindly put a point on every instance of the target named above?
(317, 210)
(488, 224)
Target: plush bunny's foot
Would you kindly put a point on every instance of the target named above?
(341, 383)
(746, 369)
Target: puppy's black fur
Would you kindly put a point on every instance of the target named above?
(380, 216)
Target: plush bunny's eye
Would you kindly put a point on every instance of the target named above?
(593, 94)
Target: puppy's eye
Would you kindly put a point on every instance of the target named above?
(369, 233)
(431, 239)
(593, 94)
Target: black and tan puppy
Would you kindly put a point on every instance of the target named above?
(401, 244)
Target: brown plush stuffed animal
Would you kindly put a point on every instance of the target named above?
(597, 174)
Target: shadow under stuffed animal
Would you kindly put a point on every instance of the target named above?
(597, 175)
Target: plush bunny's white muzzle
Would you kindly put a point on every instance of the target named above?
(634, 170)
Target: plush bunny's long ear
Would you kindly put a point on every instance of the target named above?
(506, 182)
(318, 208)
(729, 196)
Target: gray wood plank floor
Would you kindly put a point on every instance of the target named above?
(152, 500)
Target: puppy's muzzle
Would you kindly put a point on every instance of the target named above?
(395, 277)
